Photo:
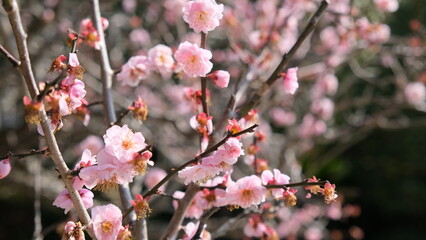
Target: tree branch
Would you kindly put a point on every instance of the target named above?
(255, 99)
(15, 62)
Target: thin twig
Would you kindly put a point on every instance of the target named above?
(15, 62)
(24, 155)
(255, 99)
(120, 118)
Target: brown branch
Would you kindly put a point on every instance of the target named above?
(120, 118)
(298, 184)
(12, 10)
(24, 155)
(204, 80)
(203, 220)
(255, 99)
(15, 62)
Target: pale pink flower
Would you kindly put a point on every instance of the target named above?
(227, 154)
(276, 178)
(212, 198)
(92, 142)
(122, 143)
(106, 221)
(387, 5)
(76, 94)
(194, 60)
(415, 93)
(220, 78)
(161, 59)
(202, 124)
(191, 229)
(133, 71)
(63, 200)
(247, 191)
(87, 159)
(199, 173)
(73, 231)
(5, 168)
(327, 84)
(73, 60)
(108, 173)
(202, 15)
(154, 176)
(255, 227)
(280, 117)
(290, 81)
(323, 108)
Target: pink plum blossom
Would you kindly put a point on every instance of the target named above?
(63, 200)
(191, 229)
(161, 59)
(194, 60)
(153, 177)
(415, 93)
(255, 227)
(220, 78)
(202, 15)
(202, 124)
(106, 221)
(136, 69)
(276, 178)
(247, 191)
(73, 231)
(76, 93)
(199, 173)
(5, 168)
(87, 159)
(323, 108)
(280, 117)
(122, 143)
(387, 5)
(290, 81)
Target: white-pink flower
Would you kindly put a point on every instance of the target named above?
(387, 5)
(122, 143)
(76, 94)
(323, 108)
(191, 229)
(135, 70)
(194, 60)
(202, 15)
(220, 78)
(5, 168)
(276, 178)
(247, 191)
(106, 221)
(87, 159)
(154, 176)
(63, 200)
(415, 93)
(161, 59)
(255, 227)
(290, 81)
(199, 173)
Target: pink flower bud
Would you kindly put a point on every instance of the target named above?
(290, 81)
(220, 78)
(5, 168)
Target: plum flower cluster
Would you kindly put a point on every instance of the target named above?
(63, 98)
(88, 34)
(122, 158)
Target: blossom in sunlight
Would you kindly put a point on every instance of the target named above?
(122, 143)
(276, 178)
(220, 78)
(106, 221)
(87, 159)
(199, 173)
(415, 93)
(124, 233)
(329, 193)
(387, 5)
(202, 124)
(247, 191)
(202, 15)
(5, 168)
(161, 59)
(290, 81)
(133, 71)
(314, 189)
(90, 34)
(63, 200)
(194, 60)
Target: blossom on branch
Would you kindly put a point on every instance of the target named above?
(133, 71)
(195, 61)
(202, 15)
(106, 221)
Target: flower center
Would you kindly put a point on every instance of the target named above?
(106, 226)
(247, 194)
